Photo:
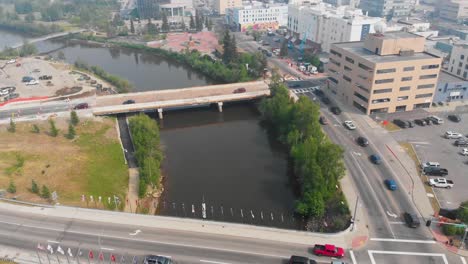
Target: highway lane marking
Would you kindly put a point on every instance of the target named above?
(424, 254)
(463, 260)
(403, 240)
(397, 223)
(148, 241)
(110, 249)
(52, 241)
(353, 259)
(212, 261)
(392, 214)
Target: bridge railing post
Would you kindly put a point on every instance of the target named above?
(220, 107)
(160, 113)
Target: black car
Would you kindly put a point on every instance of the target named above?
(435, 171)
(411, 220)
(410, 124)
(336, 110)
(318, 92)
(362, 141)
(454, 118)
(301, 260)
(429, 121)
(129, 102)
(81, 106)
(420, 122)
(325, 100)
(11, 96)
(460, 143)
(400, 123)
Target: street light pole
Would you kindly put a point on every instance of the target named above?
(354, 214)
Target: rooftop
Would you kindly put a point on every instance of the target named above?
(445, 77)
(396, 35)
(412, 21)
(357, 48)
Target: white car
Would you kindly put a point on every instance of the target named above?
(453, 135)
(349, 124)
(32, 82)
(11, 61)
(430, 164)
(464, 152)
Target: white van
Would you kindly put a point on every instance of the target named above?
(437, 120)
(430, 164)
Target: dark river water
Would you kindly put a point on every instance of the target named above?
(8, 39)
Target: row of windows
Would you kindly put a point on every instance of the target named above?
(404, 79)
(404, 88)
(411, 68)
(400, 98)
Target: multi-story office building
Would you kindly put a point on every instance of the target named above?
(387, 72)
(220, 6)
(147, 8)
(458, 63)
(257, 16)
(325, 24)
(453, 9)
(381, 8)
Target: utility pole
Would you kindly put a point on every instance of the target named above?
(354, 214)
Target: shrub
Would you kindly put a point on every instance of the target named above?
(11, 187)
(45, 193)
(35, 129)
(74, 120)
(452, 230)
(71, 132)
(53, 129)
(34, 187)
(12, 127)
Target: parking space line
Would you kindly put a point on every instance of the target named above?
(353, 259)
(425, 254)
(403, 240)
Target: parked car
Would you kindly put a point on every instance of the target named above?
(239, 90)
(464, 152)
(436, 120)
(400, 123)
(328, 250)
(130, 101)
(27, 79)
(11, 61)
(45, 77)
(411, 219)
(326, 100)
(453, 135)
(441, 183)
(349, 124)
(11, 96)
(154, 259)
(374, 158)
(323, 120)
(32, 82)
(391, 184)
(435, 171)
(277, 40)
(430, 164)
(301, 260)
(461, 143)
(4, 92)
(362, 141)
(420, 122)
(81, 106)
(454, 118)
(336, 110)
(410, 123)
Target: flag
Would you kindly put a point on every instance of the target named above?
(40, 247)
(101, 256)
(135, 260)
(51, 250)
(90, 255)
(69, 252)
(112, 258)
(122, 259)
(59, 249)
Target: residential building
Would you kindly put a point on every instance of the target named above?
(220, 6)
(382, 8)
(325, 24)
(257, 16)
(387, 72)
(453, 9)
(458, 62)
(147, 8)
(450, 88)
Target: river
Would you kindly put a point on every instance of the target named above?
(8, 39)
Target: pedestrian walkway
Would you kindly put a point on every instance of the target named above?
(132, 195)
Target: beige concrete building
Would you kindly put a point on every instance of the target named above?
(453, 9)
(458, 63)
(221, 5)
(385, 73)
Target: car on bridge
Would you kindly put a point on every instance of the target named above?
(239, 90)
(301, 260)
(130, 101)
(391, 184)
(81, 106)
(374, 158)
(328, 250)
(154, 259)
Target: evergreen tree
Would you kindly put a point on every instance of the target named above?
(12, 127)
(165, 24)
(284, 48)
(151, 28)
(192, 22)
(71, 132)
(35, 129)
(199, 22)
(34, 187)
(206, 22)
(74, 120)
(45, 193)
(11, 187)
(53, 129)
(227, 56)
(132, 26)
(233, 49)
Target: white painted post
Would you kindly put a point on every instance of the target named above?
(160, 113)
(220, 107)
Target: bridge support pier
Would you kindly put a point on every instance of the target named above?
(220, 107)
(160, 113)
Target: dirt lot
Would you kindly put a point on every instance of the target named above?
(11, 75)
(91, 164)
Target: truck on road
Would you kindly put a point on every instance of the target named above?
(441, 183)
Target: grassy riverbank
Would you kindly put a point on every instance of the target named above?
(122, 85)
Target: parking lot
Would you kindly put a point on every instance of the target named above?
(431, 145)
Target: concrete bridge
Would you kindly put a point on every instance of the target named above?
(46, 37)
(179, 98)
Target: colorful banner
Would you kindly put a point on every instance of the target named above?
(259, 26)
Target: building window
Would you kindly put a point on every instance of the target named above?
(383, 100)
(400, 108)
(402, 98)
(426, 86)
(346, 78)
(411, 68)
(388, 90)
(335, 53)
(423, 95)
(386, 71)
(432, 66)
(462, 57)
(405, 79)
(333, 80)
(405, 88)
(364, 67)
(347, 68)
(360, 107)
(384, 81)
(335, 62)
(348, 59)
(429, 76)
(358, 95)
(465, 74)
(423, 105)
(458, 71)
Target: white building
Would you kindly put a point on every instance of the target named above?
(325, 24)
(257, 16)
(458, 63)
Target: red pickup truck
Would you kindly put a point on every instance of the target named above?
(328, 250)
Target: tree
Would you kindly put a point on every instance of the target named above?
(12, 127)
(53, 12)
(233, 49)
(192, 22)
(34, 187)
(198, 22)
(284, 48)
(29, 18)
(45, 193)
(27, 49)
(165, 24)
(209, 24)
(182, 24)
(35, 129)
(53, 129)
(132, 26)
(256, 35)
(227, 55)
(462, 212)
(151, 28)
(74, 120)
(23, 7)
(11, 187)
(71, 132)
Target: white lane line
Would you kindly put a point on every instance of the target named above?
(463, 260)
(397, 223)
(212, 261)
(372, 252)
(110, 249)
(353, 259)
(403, 240)
(150, 241)
(53, 241)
